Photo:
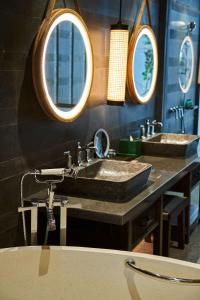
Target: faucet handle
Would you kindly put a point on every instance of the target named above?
(90, 145)
(172, 109)
(154, 122)
(67, 152)
(79, 147)
(147, 122)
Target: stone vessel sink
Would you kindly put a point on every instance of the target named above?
(108, 180)
(171, 145)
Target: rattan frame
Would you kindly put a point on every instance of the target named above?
(130, 80)
(37, 64)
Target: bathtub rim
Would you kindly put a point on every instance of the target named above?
(128, 254)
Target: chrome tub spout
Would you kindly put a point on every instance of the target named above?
(51, 222)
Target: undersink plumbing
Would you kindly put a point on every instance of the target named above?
(50, 177)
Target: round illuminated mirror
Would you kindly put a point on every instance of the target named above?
(63, 65)
(142, 64)
(186, 64)
(101, 143)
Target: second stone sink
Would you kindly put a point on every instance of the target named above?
(171, 145)
(108, 180)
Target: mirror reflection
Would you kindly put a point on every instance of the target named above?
(186, 64)
(143, 65)
(65, 65)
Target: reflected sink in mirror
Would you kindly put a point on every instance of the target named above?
(108, 180)
(171, 145)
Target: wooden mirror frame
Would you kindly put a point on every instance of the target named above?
(137, 33)
(38, 64)
(189, 40)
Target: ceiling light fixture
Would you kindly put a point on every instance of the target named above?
(117, 62)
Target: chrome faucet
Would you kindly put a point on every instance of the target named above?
(182, 120)
(154, 124)
(176, 110)
(80, 153)
(85, 154)
(90, 148)
(179, 114)
(148, 129)
(43, 176)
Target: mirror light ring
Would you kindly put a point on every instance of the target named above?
(189, 40)
(39, 54)
(139, 31)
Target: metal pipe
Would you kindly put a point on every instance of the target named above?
(22, 204)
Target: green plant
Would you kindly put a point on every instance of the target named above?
(147, 74)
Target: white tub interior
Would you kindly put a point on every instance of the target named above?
(58, 273)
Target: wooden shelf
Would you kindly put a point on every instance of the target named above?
(147, 231)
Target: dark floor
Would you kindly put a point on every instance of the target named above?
(192, 250)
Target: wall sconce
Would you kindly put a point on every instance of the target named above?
(117, 62)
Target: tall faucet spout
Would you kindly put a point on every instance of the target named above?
(51, 223)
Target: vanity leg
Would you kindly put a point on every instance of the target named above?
(130, 226)
(123, 238)
(181, 230)
(187, 193)
(34, 223)
(63, 225)
(158, 231)
(184, 186)
(187, 224)
(166, 237)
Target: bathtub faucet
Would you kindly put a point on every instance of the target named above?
(49, 177)
(58, 176)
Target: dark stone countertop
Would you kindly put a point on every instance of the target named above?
(165, 173)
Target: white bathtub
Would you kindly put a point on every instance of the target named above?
(59, 273)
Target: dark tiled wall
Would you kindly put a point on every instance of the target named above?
(28, 138)
(186, 11)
